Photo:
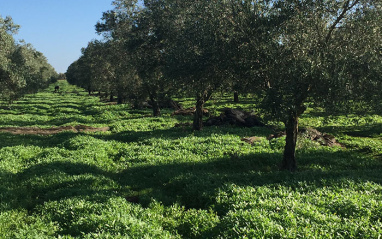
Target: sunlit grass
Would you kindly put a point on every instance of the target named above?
(146, 178)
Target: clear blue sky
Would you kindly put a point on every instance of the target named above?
(57, 28)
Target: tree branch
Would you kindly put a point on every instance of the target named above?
(346, 8)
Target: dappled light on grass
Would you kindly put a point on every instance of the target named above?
(147, 178)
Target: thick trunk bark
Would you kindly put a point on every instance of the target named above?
(156, 109)
(120, 98)
(198, 116)
(289, 159)
(155, 105)
(236, 97)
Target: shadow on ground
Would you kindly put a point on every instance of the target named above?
(193, 185)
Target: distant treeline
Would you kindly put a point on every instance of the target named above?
(23, 69)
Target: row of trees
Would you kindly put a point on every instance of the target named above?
(22, 69)
(286, 52)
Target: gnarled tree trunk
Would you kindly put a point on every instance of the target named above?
(198, 115)
(289, 159)
(236, 97)
(155, 105)
(291, 125)
(120, 98)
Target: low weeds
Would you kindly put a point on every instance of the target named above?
(146, 178)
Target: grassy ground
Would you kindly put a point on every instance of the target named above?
(146, 178)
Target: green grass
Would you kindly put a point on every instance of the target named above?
(146, 178)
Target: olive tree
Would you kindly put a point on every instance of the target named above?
(9, 79)
(309, 57)
(197, 50)
(33, 66)
(139, 32)
(22, 68)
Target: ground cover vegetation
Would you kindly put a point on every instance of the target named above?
(23, 69)
(146, 178)
(287, 54)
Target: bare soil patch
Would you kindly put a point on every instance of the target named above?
(53, 130)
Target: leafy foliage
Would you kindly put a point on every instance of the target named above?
(288, 53)
(22, 68)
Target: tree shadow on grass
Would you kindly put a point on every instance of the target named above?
(51, 107)
(181, 132)
(46, 141)
(56, 181)
(62, 180)
(370, 130)
(193, 184)
(43, 141)
(167, 183)
(56, 121)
